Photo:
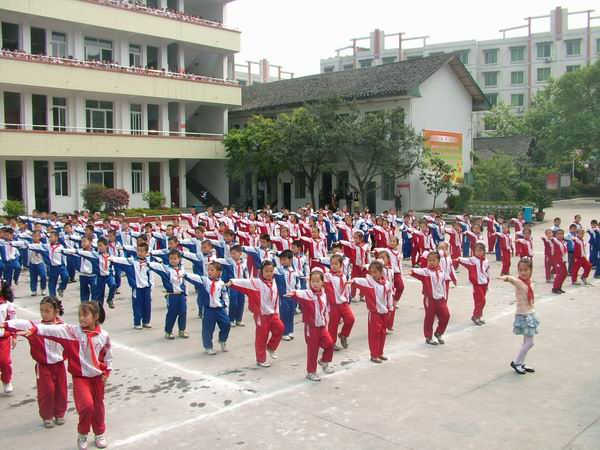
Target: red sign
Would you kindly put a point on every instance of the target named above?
(552, 182)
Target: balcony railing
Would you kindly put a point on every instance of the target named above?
(137, 6)
(90, 131)
(112, 66)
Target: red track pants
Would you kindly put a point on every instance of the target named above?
(491, 242)
(548, 266)
(560, 273)
(479, 291)
(357, 272)
(505, 262)
(5, 361)
(51, 389)
(377, 327)
(433, 309)
(89, 403)
(265, 325)
(317, 337)
(341, 312)
(578, 263)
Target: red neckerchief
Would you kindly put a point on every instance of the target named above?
(320, 307)
(269, 283)
(529, 289)
(90, 336)
(105, 260)
(213, 287)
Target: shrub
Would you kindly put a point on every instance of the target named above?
(92, 195)
(115, 199)
(524, 191)
(155, 199)
(451, 202)
(542, 201)
(507, 210)
(14, 207)
(465, 195)
(136, 212)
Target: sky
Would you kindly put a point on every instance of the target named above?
(296, 34)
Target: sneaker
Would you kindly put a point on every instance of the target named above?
(383, 358)
(60, 294)
(137, 327)
(82, 442)
(313, 376)
(263, 364)
(44, 293)
(210, 351)
(223, 347)
(286, 338)
(48, 423)
(431, 342)
(111, 304)
(325, 366)
(291, 335)
(169, 336)
(557, 291)
(343, 340)
(528, 369)
(59, 421)
(439, 338)
(482, 321)
(33, 293)
(336, 348)
(8, 388)
(147, 325)
(272, 353)
(100, 441)
(183, 334)
(232, 324)
(550, 281)
(376, 360)
(562, 291)
(476, 321)
(584, 281)
(518, 368)
(240, 324)
(575, 283)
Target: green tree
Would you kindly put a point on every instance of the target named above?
(502, 122)
(437, 177)
(495, 178)
(380, 144)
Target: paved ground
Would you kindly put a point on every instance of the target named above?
(458, 396)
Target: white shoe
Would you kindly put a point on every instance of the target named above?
(210, 351)
(240, 324)
(223, 346)
(44, 293)
(291, 335)
(48, 423)
(137, 327)
(272, 353)
(263, 364)
(575, 283)
(33, 293)
(286, 338)
(100, 441)
(8, 388)
(313, 376)
(325, 366)
(147, 325)
(82, 442)
(232, 325)
(61, 292)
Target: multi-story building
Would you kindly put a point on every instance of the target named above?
(131, 95)
(510, 69)
(260, 72)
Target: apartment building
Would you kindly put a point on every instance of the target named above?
(510, 69)
(132, 95)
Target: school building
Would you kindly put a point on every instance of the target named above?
(132, 95)
(439, 98)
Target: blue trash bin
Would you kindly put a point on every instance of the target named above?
(528, 214)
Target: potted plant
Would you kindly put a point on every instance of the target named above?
(542, 201)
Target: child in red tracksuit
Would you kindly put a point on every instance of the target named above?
(51, 375)
(395, 255)
(7, 341)
(315, 315)
(388, 273)
(87, 348)
(263, 302)
(435, 298)
(560, 258)
(506, 249)
(580, 259)
(358, 254)
(337, 290)
(378, 293)
(456, 238)
(548, 255)
(479, 276)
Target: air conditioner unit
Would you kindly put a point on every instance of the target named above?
(520, 109)
(548, 60)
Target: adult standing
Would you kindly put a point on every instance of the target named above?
(398, 199)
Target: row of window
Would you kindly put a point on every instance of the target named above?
(543, 74)
(388, 185)
(516, 100)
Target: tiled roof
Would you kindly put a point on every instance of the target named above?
(515, 146)
(397, 79)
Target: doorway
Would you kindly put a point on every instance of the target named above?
(40, 177)
(174, 177)
(326, 188)
(14, 180)
(154, 176)
(372, 197)
(287, 195)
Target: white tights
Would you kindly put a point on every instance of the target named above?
(522, 354)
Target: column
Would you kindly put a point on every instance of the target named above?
(78, 115)
(27, 113)
(28, 185)
(163, 61)
(1, 121)
(180, 58)
(123, 57)
(162, 4)
(163, 121)
(25, 37)
(76, 44)
(225, 122)
(180, 6)
(182, 119)
(81, 177)
(182, 172)
(165, 181)
(2, 179)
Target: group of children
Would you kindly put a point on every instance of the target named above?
(317, 262)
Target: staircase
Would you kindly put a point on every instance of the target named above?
(196, 188)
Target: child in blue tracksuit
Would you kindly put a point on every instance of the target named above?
(594, 234)
(287, 279)
(215, 301)
(141, 282)
(172, 276)
(406, 236)
(200, 263)
(235, 267)
(87, 277)
(37, 267)
(10, 256)
(498, 229)
(71, 240)
(103, 270)
(53, 254)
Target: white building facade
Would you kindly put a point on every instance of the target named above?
(101, 91)
(510, 70)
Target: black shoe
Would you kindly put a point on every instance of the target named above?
(111, 304)
(481, 321)
(562, 292)
(528, 369)
(476, 321)
(518, 369)
(557, 291)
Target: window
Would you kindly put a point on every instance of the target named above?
(517, 54)
(517, 77)
(366, 63)
(490, 78)
(135, 116)
(388, 187)
(38, 41)
(348, 66)
(328, 69)
(10, 36)
(61, 179)
(58, 45)
(543, 74)
(388, 60)
(490, 56)
(59, 113)
(492, 98)
(137, 175)
(573, 47)
(571, 69)
(517, 100)
(463, 56)
(97, 49)
(343, 185)
(101, 173)
(299, 186)
(414, 57)
(152, 57)
(152, 118)
(39, 112)
(12, 110)
(544, 50)
(98, 116)
(135, 55)
(436, 53)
